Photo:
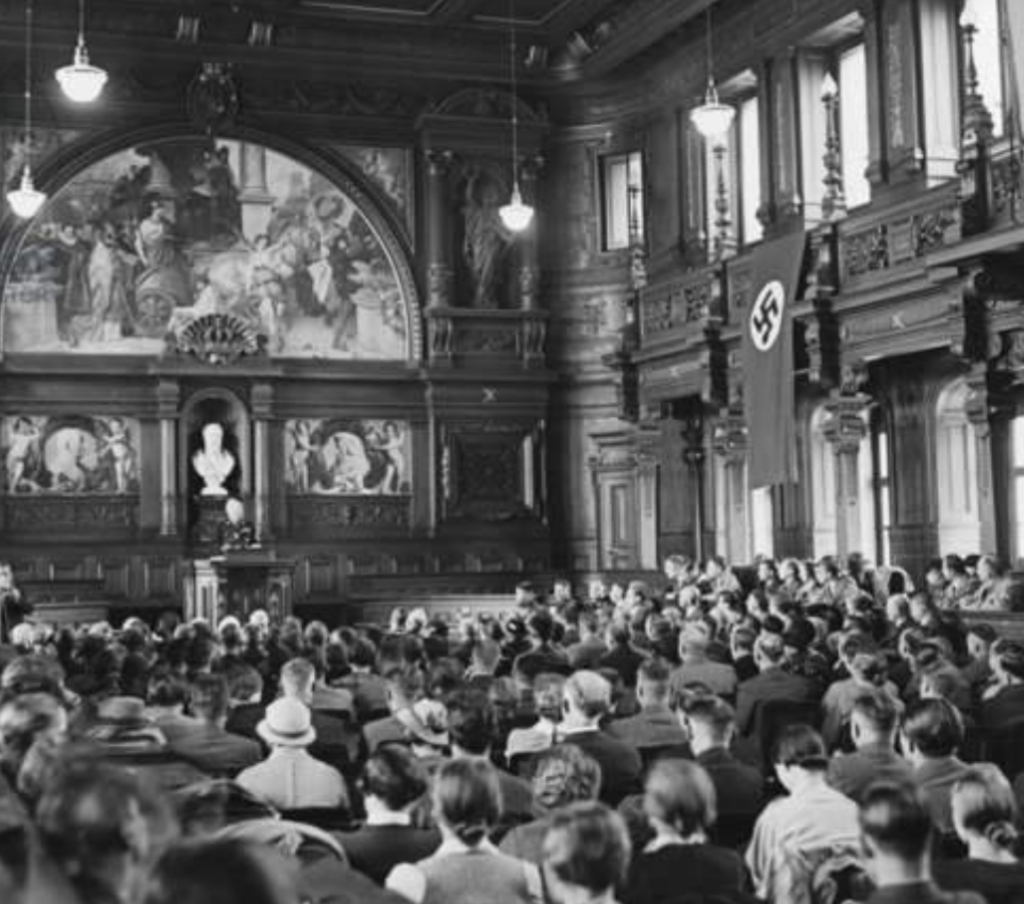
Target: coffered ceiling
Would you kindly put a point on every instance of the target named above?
(393, 41)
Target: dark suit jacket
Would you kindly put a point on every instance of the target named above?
(376, 850)
(739, 788)
(649, 728)
(851, 773)
(1005, 707)
(620, 763)
(218, 752)
(773, 684)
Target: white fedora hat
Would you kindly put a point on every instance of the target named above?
(287, 723)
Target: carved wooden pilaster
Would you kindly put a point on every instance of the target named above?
(168, 396)
(784, 138)
(528, 267)
(440, 266)
(692, 416)
(989, 411)
(900, 65)
(845, 429)
(729, 441)
(262, 403)
(821, 329)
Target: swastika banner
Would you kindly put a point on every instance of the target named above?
(768, 361)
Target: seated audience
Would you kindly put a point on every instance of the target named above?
(981, 637)
(405, 687)
(896, 831)
(564, 774)
(393, 782)
(985, 818)
(290, 778)
(679, 801)
(933, 732)
(866, 668)
(544, 655)
(812, 823)
(622, 655)
(586, 854)
(586, 699)
(655, 726)
(586, 653)
(741, 650)
(874, 723)
(467, 867)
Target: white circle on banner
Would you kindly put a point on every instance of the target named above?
(766, 318)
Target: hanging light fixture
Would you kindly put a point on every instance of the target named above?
(26, 200)
(81, 81)
(516, 215)
(712, 118)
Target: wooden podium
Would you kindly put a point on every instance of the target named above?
(238, 583)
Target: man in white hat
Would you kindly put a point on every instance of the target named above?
(289, 778)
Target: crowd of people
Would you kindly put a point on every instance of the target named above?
(788, 733)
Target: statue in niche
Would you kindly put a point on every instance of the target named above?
(487, 241)
(213, 463)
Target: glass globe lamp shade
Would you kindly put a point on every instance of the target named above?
(26, 200)
(712, 118)
(516, 215)
(81, 82)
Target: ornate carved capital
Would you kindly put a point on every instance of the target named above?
(847, 425)
(439, 163)
(730, 439)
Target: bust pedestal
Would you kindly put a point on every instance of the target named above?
(239, 583)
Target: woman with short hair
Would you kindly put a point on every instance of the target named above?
(985, 819)
(586, 854)
(467, 868)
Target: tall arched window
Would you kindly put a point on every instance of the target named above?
(957, 473)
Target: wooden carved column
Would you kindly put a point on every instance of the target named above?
(262, 398)
(845, 429)
(900, 67)
(440, 271)
(784, 138)
(989, 414)
(168, 397)
(695, 456)
(730, 445)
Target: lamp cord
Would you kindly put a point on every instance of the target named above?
(28, 81)
(707, 37)
(81, 21)
(515, 112)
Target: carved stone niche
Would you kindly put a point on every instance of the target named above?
(492, 471)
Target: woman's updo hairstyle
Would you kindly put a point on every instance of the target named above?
(983, 802)
(467, 799)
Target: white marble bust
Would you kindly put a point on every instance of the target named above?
(213, 462)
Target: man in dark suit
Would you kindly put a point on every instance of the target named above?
(711, 723)
(773, 682)
(655, 725)
(586, 698)
(873, 724)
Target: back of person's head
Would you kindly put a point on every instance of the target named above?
(1008, 655)
(362, 654)
(245, 684)
(541, 625)
(486, 654)
(297, 677)
(711, 713)
(983, 803)
(934, 727)
(467, 799)
(769, 649)
(405, 686)
(394, 776)
(895, 822)
(564, 774)
(653, 680)
(799, 745)
(589, 693)
(743, 639)
(210, 697)
(166, 690)
(470, 721)
(874, 714)
(103, 826)
(618, 633)
(25, 719)
(587, 846)
(954, 564)
(222, 871)
(680, 794)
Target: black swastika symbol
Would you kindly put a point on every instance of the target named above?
(765, 316)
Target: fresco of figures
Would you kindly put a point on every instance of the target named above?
(70, 455)
(338, 457)
(141, 243)
(390, 169)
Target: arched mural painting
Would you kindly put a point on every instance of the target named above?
(139, 244)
